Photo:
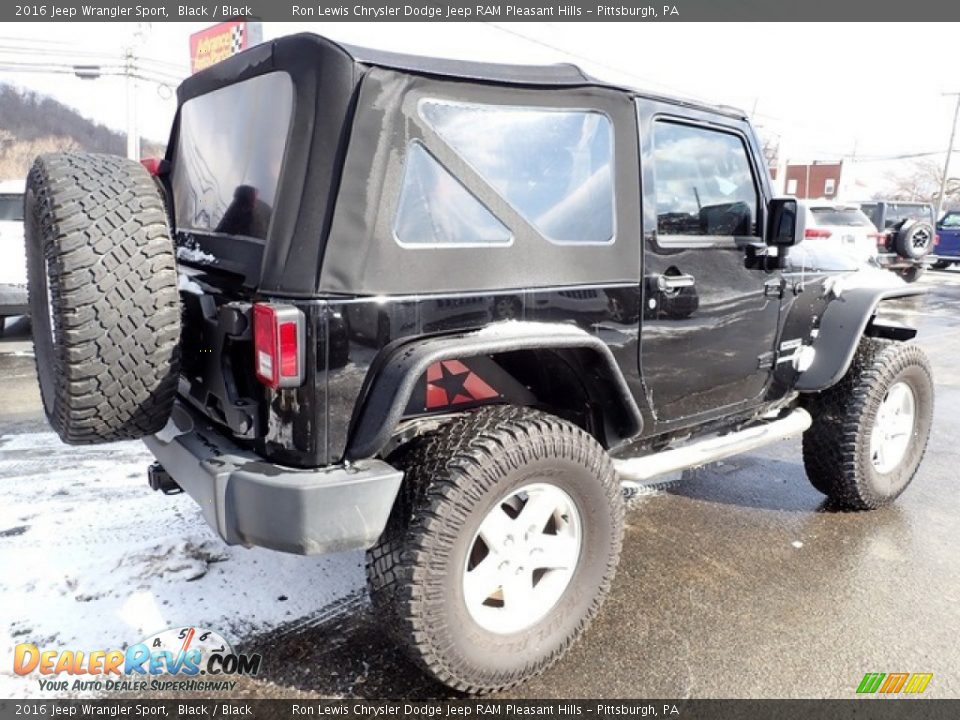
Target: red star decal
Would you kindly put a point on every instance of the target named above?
(450, 382)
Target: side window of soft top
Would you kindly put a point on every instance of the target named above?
(704, 183)
(552, 166)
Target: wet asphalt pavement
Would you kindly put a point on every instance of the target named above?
(736, 580)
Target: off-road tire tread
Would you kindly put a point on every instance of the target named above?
(841, 423)
(101, 220)
(443, 467)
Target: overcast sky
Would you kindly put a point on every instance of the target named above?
(827, 90)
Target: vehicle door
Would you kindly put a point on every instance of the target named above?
(949, 231)
(711, 310)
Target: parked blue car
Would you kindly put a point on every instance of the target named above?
(948, 251)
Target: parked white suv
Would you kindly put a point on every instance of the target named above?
(844, 225)
(13, 264)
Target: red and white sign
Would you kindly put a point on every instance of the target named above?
(220, 41)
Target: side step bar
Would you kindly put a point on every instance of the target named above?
(712, 449)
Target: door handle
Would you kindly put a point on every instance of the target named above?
(675, 282)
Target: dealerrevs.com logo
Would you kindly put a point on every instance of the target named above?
(894, 683)
(180, 659)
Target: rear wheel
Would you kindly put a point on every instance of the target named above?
(870, 431)
(912, 274)
(942, 264)
(501, 547)
(103, 297)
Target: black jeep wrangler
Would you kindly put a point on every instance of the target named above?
(418, 307)
(906, 237)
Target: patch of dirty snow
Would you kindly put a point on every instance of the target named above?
(191, 252)
(187, 285)
(93, 559)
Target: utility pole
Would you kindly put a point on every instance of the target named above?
(133, 88)
(946, 162)
(133, 132)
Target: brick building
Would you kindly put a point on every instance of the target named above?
(819, 180)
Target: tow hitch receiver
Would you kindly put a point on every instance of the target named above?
(159, 479)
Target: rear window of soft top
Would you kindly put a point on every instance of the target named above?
(229, 152)
(898, 212)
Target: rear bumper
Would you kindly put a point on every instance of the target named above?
(13, 299)
(249, 501)
(893, 261)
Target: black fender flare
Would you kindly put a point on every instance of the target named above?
(844, 322)
(392, 378)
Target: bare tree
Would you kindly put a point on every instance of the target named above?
(32, 124)
(771, 146)
(920, 182)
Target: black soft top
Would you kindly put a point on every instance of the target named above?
(343, 162)
(309, 45)
(562, 75)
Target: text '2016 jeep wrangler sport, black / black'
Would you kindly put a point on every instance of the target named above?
(414, 306)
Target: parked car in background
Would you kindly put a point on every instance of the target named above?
(948, 249)
(845, 226)
(906, 236)
(13, 264)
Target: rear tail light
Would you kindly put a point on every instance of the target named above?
(816, 233)
(278, 345)
(881, 239)
(936, 239)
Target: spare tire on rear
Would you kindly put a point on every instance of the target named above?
(914, 239)
(103, 297)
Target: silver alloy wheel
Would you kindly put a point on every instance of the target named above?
(522, 558)
(893, 428)
(921, 238)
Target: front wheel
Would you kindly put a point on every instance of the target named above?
(870, 431)
(501, 547)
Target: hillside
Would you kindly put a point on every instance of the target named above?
(31, 124)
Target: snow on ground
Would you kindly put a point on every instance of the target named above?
(92, 559)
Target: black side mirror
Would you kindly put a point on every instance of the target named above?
(785, 223)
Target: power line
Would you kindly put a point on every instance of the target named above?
(903, 156)
(180, 71)
(93, 70)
